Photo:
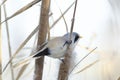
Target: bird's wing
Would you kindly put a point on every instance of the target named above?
(42, 53)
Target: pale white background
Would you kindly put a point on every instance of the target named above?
(96, 20)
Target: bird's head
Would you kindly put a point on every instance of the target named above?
(73, 41)
(74, 37)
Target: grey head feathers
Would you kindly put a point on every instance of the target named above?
(75, 36)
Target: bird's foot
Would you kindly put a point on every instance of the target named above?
(69, 42)
(62, 60)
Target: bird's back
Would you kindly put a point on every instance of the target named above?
(56, 47)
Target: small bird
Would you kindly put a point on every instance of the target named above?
(55, 48)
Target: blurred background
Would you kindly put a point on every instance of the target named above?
(98, 21)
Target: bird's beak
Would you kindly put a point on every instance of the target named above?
(80, 37)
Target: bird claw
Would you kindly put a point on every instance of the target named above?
(69, 41)
(62, 60)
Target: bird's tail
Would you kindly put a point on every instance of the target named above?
(42, 53)
(32, 57)
(23, 62)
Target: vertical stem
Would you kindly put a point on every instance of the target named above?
(73, 19)
(43, 25)
(64, 68)
(3, 2)
(0, 47)
(9, 45)
(118, 78)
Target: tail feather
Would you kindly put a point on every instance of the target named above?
(42, 53)
(23, 62)
(32, 57)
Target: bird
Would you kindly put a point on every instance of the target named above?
(55, 48)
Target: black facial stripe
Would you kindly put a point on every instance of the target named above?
(76, 38)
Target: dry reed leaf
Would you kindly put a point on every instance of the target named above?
(9, 45)
(63, 18)
(61, 15)
(29, 72)
(22, 9)
(25, 66)
(82, 60)
(86, 67)
(0, 47)
(21, 46)
(23, 62)
(3, 2)
(21, 71)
